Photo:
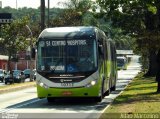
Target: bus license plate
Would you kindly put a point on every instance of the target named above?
(67, 84)
(66, 93)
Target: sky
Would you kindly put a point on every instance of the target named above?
(29, 3)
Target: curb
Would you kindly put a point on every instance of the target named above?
(16, 88)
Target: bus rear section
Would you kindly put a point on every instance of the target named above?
(69, 64)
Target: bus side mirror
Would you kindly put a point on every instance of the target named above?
(33, 53)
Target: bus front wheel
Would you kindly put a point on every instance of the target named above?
(98, 99)
(50, 99)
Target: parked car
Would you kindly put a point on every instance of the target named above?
(1, 75)
(18, 76)
(27, 73)
(15, 76)
(8, 78)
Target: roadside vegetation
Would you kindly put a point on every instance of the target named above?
(139, 97)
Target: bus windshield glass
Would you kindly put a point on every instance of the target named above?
(67, 56)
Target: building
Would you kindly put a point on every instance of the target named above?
(3, 62)
(23, 61)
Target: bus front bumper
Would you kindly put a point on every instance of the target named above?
(93, 91)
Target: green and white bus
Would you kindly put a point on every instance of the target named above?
(75, 62)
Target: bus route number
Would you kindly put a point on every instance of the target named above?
(67, 84)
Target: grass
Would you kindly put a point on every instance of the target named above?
(139, 97)
(15, 86)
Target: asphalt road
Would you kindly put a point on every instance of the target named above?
(25, 104)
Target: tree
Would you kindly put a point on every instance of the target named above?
(13, 37)
(141, 18)
(122, 40)
(75, 13)
(81, 6)
(68, 18)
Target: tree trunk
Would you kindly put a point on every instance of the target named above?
(42, 15)
(152, 70)
(8, 63)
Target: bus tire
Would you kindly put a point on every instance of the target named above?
(114, 88)
(50, 99)
(99, 99)
(109, 90)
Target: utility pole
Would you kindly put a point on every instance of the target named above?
(42, 14)
(48, 11)
(30, 50)
(16, 5)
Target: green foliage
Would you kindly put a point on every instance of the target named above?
(139, 18)
(136, 17)
(152, 9)
(89, 19)
(33, 14)
(76, 13)
(68, 18)
(139, 97)
(78, 5)
(80, 12)
(13, 36)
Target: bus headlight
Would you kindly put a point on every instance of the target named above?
(92, 83)
(43, 85)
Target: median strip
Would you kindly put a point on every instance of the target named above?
(139, 97)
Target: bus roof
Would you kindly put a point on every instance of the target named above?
(69, 32)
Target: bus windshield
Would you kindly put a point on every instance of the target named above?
(66, 56)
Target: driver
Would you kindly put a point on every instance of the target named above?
(86, 61)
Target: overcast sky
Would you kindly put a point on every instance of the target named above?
(29, 3)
